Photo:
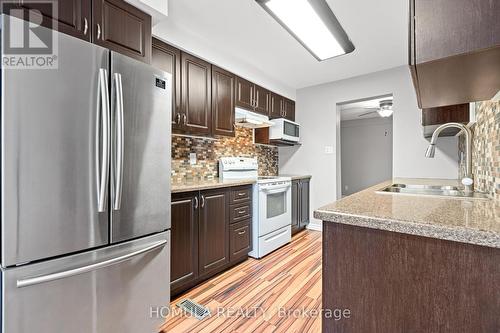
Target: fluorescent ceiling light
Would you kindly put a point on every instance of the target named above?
(313, 24)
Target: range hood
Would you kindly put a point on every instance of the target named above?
(248, 119)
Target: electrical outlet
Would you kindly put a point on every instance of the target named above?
(192, 158)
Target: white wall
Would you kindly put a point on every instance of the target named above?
(366, 146)
(316, 112)
(179, 36)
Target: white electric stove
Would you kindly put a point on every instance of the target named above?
(272, 203)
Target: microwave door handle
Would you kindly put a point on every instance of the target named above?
(119, 142)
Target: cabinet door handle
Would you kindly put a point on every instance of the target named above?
(202, 201)
(178, 118)
(241, 194)
(195, 202)
(242, 212)
(98, 30)
(185, 119)
(242, 232)
(85, 26)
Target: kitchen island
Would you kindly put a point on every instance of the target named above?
(411, 263)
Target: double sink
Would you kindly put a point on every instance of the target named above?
(436, 190)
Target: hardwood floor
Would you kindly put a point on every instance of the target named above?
(279, 293)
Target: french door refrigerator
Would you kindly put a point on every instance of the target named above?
(85, 180)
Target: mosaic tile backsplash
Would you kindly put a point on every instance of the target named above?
(209, 150)
(485, 149)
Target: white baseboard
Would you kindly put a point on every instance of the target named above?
(315, 226)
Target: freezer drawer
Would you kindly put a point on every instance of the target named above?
(105, 291)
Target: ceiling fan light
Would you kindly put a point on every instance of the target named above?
(385, 112)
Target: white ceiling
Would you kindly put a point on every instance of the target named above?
(352, 111)
(241, 29)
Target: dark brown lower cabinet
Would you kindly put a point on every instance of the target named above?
(214, 228)
(206, 238)
(300, 204)
(184, 241)
(392, 282)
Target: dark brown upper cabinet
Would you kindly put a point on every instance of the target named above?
(262, 99)
(73, 16)
(114, 24)
(454, 51)
(214, 230)
(276, 106)
(245, 94)
(184, 246)
(281, 107)
(168, 59)
(123, 28)
(433, 117)
(252, 97)
(196, 106)
(288, 109)
(223, 83)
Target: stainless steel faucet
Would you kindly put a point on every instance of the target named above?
(468, 180)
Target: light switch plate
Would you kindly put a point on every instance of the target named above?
(192, 158)
(328, 149)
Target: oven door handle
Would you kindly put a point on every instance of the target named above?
(274, 190)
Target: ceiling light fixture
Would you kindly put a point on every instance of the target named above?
(385, 109)
(313, 24)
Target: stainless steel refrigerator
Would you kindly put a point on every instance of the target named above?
(85, 240)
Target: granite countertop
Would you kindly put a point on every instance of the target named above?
(473, 221)
(206, 184)
(295, 177)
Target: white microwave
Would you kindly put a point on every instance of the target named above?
(284, 129)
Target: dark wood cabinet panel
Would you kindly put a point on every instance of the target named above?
(276, 106)
(288, 109)
(240, 212)
(454, 51)
(168, 59)
(241, 194)
(395, 282)
(433, 117)
(122, 27)
(295, 206)
(244, 94)
(240, 240)
(196, 95)
(304, 203)
(214, 230)
(223, 84)
(184, 244)
(445, 28)
(262, 100)
(73, 16)
(300, 204)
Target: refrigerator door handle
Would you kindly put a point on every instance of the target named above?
(102, 119)
(88, 268)
(119, 142)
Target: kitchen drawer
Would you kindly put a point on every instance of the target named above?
(241, 194)
(240, 240)
(240, 212)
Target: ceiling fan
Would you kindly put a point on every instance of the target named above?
(384, 109)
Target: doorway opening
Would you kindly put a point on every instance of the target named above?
(364, 143)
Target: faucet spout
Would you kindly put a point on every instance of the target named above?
(468, 180)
